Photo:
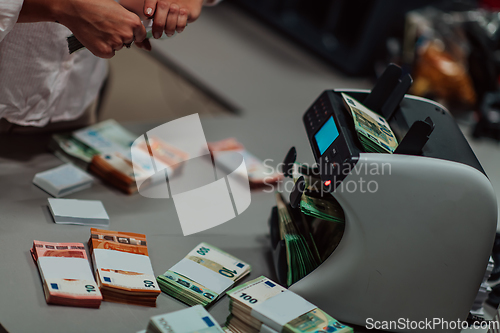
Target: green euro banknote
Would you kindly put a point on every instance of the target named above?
(245, 299)
(326, 208)
(373, 130)
(299, 256)
(203, 275)
(190, 320)
(73, 147)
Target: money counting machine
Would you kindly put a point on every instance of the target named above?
(417, 240)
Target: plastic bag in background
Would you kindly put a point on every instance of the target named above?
(437, 49)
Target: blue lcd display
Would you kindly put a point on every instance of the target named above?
(326, 135)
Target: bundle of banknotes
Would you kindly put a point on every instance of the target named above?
(105, 149)
(122, 267)
(259, 174)
(262, 305)
(66, 275)
(316, 201)
(301, 255)
(190, 320)
(203, 275)
(374, 132)
(311, 232)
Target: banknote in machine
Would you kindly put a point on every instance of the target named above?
(259, 174)
(122, 267)
(66, 275)
(300, 257)
(190, 320)
(374, 132)
(263, 302)
(203, 275)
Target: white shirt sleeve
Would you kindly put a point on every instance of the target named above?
(9, 12)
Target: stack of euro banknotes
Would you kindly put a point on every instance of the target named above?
(310, 232)
(121, 265)
(105, 150)
(261, 305)
(66, 275)
(203, 275)
(190, 320)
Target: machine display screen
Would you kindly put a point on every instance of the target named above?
(326, 135)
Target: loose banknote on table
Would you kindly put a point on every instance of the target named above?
(66, 275)
(122, 267)
(190, 320)
(203, 275)
(374, 132)
(262, 305)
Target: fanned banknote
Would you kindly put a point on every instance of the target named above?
(123, 268)
(66, 275)
(299, 255)
(374, 132)
(203, 275)
(262, 305)
(191, 320)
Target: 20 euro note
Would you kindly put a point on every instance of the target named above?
(203, 275)
(123, 268)
(66, 274)
(373, 130)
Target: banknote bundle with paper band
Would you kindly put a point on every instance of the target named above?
(258, 173)
(203, 275)
(122, 267)
(105, 149)
(373, 130)
(262, 305)
(190, 320)
(66, 275)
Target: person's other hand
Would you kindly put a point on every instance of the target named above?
(171, 15)
(102, 26)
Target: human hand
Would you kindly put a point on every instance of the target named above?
(171, 15)
(102, 26)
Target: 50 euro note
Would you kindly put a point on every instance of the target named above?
(66, 275)
(123, 268)
(203, 275)
(262, 302)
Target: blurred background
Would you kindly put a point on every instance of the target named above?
(253, 55)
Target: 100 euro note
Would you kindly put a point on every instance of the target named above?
(203, 275)
(66, 274)
(123, 268)
(263, 302)
(190, 320)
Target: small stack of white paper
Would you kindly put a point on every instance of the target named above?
(63, 180)
(83, 212)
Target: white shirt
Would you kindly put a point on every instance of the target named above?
(40, 82)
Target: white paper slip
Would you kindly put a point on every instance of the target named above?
(63, 180)
(83, 212)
